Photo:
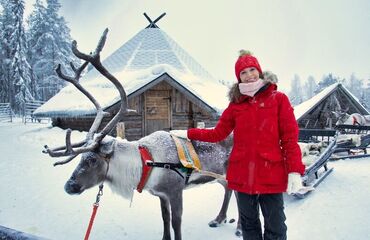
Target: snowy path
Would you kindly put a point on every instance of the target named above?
(33, 200)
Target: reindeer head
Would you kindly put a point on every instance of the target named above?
(92, 168)
(341, 116)
(96, 149)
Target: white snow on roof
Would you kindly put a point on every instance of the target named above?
(71, 102)
(149, 47)
(306, 106)
(142, 59)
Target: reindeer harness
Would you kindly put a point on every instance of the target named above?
(189, 161)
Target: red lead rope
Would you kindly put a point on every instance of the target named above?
(95, 208)
(91, 221)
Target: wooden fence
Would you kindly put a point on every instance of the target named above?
(6, 113)
(29, 108)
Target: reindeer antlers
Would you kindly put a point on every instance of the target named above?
(92, 140)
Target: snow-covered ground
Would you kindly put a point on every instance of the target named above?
(32, 199)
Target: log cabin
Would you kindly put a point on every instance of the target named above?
(165, 86)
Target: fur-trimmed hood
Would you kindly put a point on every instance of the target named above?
(234, 93)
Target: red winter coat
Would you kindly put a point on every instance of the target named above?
(265, 142)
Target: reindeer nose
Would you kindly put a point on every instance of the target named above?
(72, 188)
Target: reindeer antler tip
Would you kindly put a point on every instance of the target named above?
(74, 45)
(46, 149)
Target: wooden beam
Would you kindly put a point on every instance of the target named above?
(152, 24)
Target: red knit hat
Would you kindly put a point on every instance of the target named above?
(244, 61)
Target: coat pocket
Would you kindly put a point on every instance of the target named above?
(271, 156)
(271, 169)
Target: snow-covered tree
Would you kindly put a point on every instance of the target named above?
(354, 85)
(325, 82)
(5, 32)
(296, 92)
(358, 88)
(2, 80)
(50, 44)
(36, 27)
(309, 88)
(17, 72)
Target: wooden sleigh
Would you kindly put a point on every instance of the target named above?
(318, 168)
(353, 142)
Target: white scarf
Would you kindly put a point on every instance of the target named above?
(251, 88)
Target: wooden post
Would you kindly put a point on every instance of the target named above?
(120, 128)
(330, 123)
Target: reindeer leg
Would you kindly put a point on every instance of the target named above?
(221, 217)
(165, 209)
(176, 210)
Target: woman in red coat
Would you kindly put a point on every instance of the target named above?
(266, 159)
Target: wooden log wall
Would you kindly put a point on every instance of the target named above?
(184, 114)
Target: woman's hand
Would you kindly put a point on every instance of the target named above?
(294, 183)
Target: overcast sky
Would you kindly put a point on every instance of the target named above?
(304, 37)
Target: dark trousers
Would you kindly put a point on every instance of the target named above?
(272, 207)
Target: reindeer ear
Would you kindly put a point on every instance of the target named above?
(106, 148)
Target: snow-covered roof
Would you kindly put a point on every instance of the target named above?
(305, 107)
(311, 103)
(145, 57)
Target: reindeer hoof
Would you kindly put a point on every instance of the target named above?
(215, 223)
(238, 233)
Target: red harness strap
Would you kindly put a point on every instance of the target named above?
(145, 156)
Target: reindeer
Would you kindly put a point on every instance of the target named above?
(118, 162)
(352, 119)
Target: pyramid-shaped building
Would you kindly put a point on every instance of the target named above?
(316, 113)
(166, 87)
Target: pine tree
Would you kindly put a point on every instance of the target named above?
(17, 70)
(325, 82)
(36, 27)
(296, 93)
(309, 88)
(50, 45)
(354, 85)
(2, 80)
(5, 52)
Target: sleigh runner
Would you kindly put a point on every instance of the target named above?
(317, 145)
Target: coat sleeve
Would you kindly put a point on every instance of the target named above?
(289, 131)
(223, 128)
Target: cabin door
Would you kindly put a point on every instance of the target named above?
(157, 111)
